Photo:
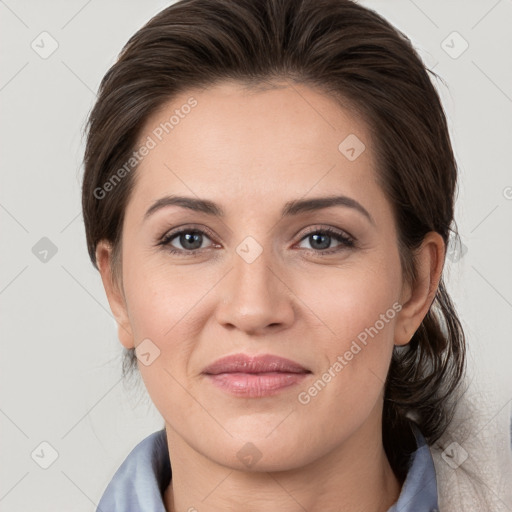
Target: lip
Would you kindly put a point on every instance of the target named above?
(244, 363)
(255, 376)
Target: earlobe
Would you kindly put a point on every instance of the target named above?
(418, 296)
(114, 294)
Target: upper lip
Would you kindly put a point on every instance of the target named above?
(244, 363)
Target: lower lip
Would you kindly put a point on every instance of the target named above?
(255, 385)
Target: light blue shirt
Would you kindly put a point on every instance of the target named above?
(139, 483)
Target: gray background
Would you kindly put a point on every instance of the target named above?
(60, 375)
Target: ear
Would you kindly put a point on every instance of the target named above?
(114, 293)
(418, 296)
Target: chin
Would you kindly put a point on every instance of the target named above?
(259, 452)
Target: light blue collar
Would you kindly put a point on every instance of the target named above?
(419, 491)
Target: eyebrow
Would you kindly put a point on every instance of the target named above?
(290, 208)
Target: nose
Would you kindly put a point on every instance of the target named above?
(255, 297)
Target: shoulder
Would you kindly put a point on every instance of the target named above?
(139, 482)
(473, 458)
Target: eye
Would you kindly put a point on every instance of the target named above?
(320, 240)
(187, 240)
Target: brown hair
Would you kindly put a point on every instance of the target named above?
(350, 53)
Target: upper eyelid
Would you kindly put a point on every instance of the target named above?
(186, 228)
(337, 231)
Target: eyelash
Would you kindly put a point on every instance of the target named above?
(346, 241)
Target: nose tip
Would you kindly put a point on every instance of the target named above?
(254, 298)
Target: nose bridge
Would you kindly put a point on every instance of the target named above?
(253, 297)
(253, 272)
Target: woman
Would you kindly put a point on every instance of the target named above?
(268, 195)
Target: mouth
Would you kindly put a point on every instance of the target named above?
(255, 376)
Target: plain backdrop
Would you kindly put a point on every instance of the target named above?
(60, 366)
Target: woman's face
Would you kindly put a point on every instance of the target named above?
(255, 281)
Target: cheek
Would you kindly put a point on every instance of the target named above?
(162, 307)
(161, 299)
(352, 300)
(165, 307)
(358, 308)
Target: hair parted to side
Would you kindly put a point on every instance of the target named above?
(350, 53)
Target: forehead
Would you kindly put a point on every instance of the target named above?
(229, 140)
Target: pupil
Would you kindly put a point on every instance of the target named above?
(324, 245)
(187, 240)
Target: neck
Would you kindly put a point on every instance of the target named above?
(354, 477)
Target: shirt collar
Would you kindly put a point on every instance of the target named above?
(419, 491)
(142, 478)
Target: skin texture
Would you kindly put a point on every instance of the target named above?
(251, 151)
